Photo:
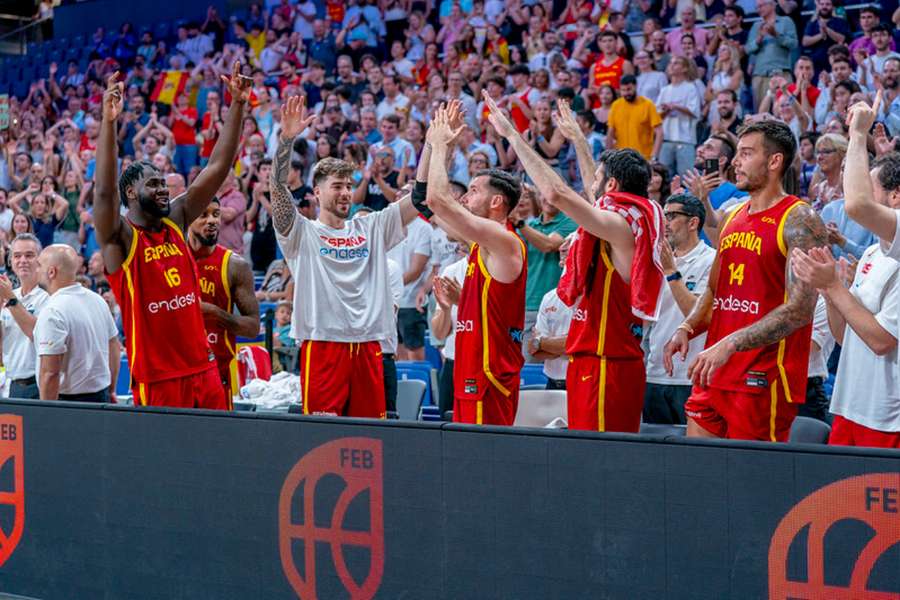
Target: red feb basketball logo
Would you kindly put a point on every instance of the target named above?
(11, 456)
(873, 500)
(358, 462)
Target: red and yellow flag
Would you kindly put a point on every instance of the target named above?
(169, 86)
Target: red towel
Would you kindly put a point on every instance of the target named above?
(645, 218)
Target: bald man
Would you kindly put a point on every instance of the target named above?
(75, 335)
(175, 184)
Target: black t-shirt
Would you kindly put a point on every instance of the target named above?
(375, 199)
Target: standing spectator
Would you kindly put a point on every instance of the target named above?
(455, 91)
(413, 255)
(75, 335)
(731, 31)
(679, 104)
(394, 103)
(649, 81)
(259, 216)
(634, 123)
(870, 67)
(324, 45)
(610, 67)
(547, 341)
(831, 149)
(184, 119)
(544, 234)
(447, 288)
(404, 153)
(22, 305)
(233, 207)
(823, 32)
(193, 44)
(675, 38)
(304, 20)
(687, 262)
(658, 52)
(869, 19)
(770, 43)
(727, 106)
(521, 101)
(381, 182)
(832, 100)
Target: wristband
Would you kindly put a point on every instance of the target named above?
(687, 328)
(418, 199)
(673, 277)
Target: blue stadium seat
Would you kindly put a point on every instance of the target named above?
(79, 41)
(419, 371)
(123, 383)
(532, 374)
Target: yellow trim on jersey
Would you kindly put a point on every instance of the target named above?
(728, 218)
(779, 361)
(607, 284)
(142, 394)
(781, 245)
(172, 224)
(126, 265)
(479, 412)
(601, 396)
(772, 410)
(305, 382)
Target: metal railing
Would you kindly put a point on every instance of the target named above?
(21, 33)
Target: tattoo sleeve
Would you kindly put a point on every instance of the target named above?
(283, 211)
(803, 229)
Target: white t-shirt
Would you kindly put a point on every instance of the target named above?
(76, 323)
(6, 217)
(344, 296)
(18, 350)
(443, 252)
(677, 126)
(694, 268)
(301, 25)
(650, 84)
(821, 335)
(395, 275)
(457, 272)
(867, 387)
(417, 241)
(553, 320)
(390, 107)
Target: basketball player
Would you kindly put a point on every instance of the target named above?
(226, 282)
(343, 307)
(491, 312)
(758, 316)
(605, 379)
(149, 264)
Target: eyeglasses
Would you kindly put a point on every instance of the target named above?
(671, 214)
(826, 151)
(477, 160)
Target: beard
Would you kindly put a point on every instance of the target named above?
(890, 82)
(726, 115)
(208, 241)
(148, 205)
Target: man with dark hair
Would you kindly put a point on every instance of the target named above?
(404, 153)
(611, 279)
(491, 315)
(752, 375)
(226, 284)
(731, 31)
(523, 97)
(150, 268)
(686, 262)
(344, 308)
(823, 32)
(841, 72)
(715, 189)
(610, 67)
(727, 103)
(869, 19)
(872, 65)
(633, 122)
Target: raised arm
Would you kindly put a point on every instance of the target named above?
(858, 193)
(108, 223)
(186, 208)
(294, 119)
(568, 126)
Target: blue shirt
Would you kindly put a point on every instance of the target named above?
(858, 237)
(723, 193)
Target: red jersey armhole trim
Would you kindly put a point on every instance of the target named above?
(780, 237)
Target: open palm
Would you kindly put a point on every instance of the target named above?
(294, 117)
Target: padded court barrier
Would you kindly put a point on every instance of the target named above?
(114, 503)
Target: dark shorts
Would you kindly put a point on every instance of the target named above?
(665, 403)
(411, 328)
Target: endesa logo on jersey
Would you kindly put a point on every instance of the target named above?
(732, 304)
(352, 247)
(174, 303)
(12, 494)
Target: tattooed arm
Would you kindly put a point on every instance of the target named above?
(803, 230)
(293, 121)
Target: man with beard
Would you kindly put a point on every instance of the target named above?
(752, 375)
(823, 32)
(344, 307)
(891, 82)
(148, 262)
(726, 102)
(226, 283)
(715, 190)
(633, 122)
(872, 65)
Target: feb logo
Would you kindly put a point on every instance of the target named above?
(334, 497)
(859, 516)
(12, 491)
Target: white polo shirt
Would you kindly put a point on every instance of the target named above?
(18, 349)
(694, 268)
(76, 323)
(821, 335)
(867, 387)
(553, 320)
(457, 272)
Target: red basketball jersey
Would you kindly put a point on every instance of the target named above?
(156, 288)
(603, 323)
(751, 283)
(611, 74)
(489, 326)
(214, 289)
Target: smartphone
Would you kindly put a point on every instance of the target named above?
(710, 166)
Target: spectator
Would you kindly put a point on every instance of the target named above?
(830, 152)
(404, 153)
(447, 289)
(634, 123)
(262, 244)
(547, 340)
(847, 238)
(731, 32)
(75, 335)
(658, 51)
(871, 66)
(609, 67)
(394, 102)
(679, 104)
(727, 76)
(649, 81)
(869, 19)
(675, 38)
(233, 206)
(687, 262)
(381, 182)
(891, 101)
(840, 75)
(808, 166)
(523, 98)
(823, 32)
(22, 306)
(769, 44)
(726, 107)
(277, 284)
(412, 254)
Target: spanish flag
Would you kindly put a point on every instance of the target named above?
(169, 86)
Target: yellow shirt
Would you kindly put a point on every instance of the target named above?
(633, 123)
(256, 42)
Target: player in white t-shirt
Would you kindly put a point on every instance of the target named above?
(413, 255)
(551, 328)
(342, 297)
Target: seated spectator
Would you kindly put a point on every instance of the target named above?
(823, 32)
(828, 186)
(808, 165)
(277, 284)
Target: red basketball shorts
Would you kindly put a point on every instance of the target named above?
(200, 390)
(493, 408)
(605, 394)
(845, 432)
(342, 379)
(741, 415)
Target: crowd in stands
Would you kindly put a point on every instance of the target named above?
(672, 79)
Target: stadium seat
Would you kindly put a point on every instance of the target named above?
(416, 371)
(410, 394)
(123, 382)
(805, 430)
(533, 386)
(532, 373)
(664, 429)
(538, 408)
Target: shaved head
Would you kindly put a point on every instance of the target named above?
(176, 185)
(58, 266)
